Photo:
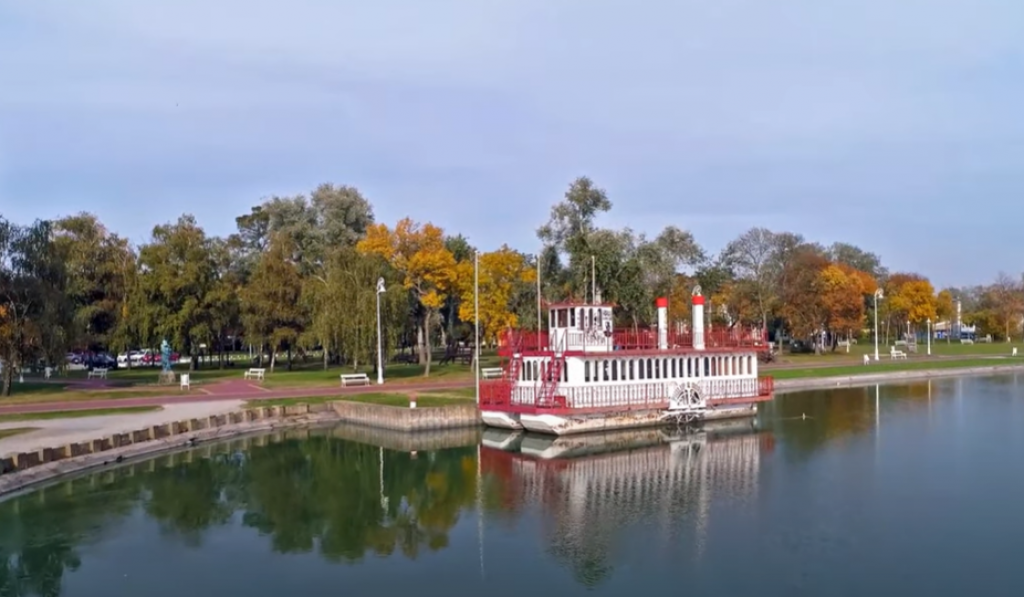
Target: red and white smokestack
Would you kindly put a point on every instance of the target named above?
(662, 304)
(698, 319)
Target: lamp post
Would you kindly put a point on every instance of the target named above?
(380, 350)
(476, 321)
(878, 295)
(929, 336)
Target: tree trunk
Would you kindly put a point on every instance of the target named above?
(426, 342)
(327, 356)
(273, 356)
(289, 357)
(420, 357)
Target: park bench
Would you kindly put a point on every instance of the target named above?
(355, 378)
(867, 360)
(101, 373)
(255, 374)
(897, 354)
(491, 372)
(186, 382)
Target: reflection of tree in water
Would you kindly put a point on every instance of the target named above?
(189, 498)
(321, 493)
(328, 492)
(40, 536)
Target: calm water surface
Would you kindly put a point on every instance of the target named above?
(903, 490)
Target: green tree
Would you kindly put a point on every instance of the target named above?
(270, 307)
(176, 275)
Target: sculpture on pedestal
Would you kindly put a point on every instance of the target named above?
(165, 356)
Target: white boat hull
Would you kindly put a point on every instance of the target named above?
(570, 424)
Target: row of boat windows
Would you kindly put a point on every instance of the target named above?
(648, 368)
(583, 318)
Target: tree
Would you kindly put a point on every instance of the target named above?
(95, 261)
(176, 274)
(270, 306)
(34, 311)
(1007, 299)
(802, 304)
(842, 290)
(910, 298)
(428, 268)
(500, 272)
(753, 257)
(854, 257)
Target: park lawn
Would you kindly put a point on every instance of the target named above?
(399, 373)
(16, 431)
(399, 399)
(78, 414)
(939, 349)
(58, 394)
(920, 364)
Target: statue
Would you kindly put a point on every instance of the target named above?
(165, 356)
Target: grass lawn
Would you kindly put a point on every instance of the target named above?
(77, 414)
(11, 432)
(400, 399)
(57, 393)
(890, 366)
(939, 349)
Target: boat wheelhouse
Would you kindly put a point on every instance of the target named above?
(583, 375)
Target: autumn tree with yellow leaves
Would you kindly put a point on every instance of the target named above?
(428, 268)
(910, 299)
(842, 290)
(500, 273)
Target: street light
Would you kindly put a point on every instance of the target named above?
(380, 351)
(878, 295)
(929, 336)
(476, 321)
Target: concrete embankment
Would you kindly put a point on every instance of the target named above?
(783, 386)
(22, 469)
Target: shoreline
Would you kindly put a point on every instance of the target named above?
(788, 386)
(269, 419)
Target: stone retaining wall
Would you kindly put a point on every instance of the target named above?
(159, 436)
(405, 441)
(408, 419)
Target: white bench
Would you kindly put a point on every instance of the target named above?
(186, 382)
(867, 360)
(966, 341)
(897, 354)
(491, 372)
(255, 374)
(48, 372)
(355, 378)
(1014, 352)
(102, 373)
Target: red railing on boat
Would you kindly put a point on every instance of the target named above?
(503, 395)
(513, 341)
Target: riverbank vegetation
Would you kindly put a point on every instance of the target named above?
(301, 274)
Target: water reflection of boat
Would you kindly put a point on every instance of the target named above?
(590, 487)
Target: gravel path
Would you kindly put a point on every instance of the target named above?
(58, 432)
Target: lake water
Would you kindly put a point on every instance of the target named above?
(901, 490)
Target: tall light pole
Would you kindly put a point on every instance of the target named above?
(476, 321)
(929, 336)
(878, 295)
(380, 350)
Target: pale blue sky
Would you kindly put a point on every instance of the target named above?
(875, 122)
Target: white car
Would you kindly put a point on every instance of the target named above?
(134, 356)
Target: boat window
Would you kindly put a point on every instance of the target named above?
(586, 371)
(707, 366)
(650, 369)
(572, 318)
(675, 364)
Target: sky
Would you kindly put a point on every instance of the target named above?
(895, 126)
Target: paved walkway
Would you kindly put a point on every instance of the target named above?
(235, 390)
(58, 432)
